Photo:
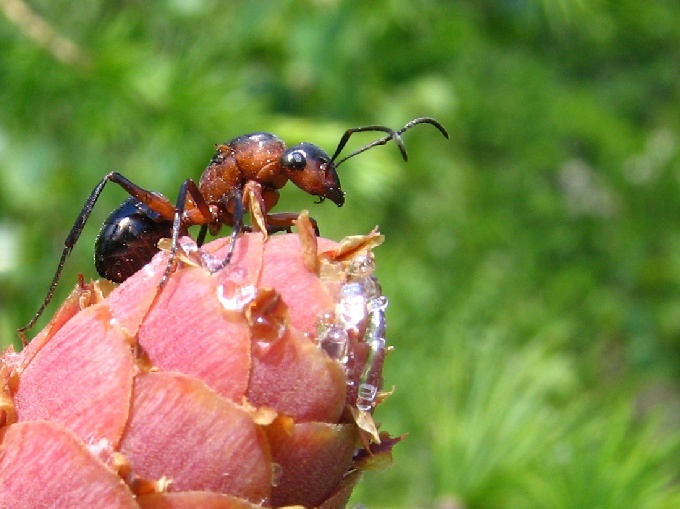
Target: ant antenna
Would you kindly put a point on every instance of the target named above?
(393, 135)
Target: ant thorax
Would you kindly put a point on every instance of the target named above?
(254, 156)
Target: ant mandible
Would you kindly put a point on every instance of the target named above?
(251, 166)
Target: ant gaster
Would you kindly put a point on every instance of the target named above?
(251, 166)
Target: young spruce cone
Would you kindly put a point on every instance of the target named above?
(250, 387)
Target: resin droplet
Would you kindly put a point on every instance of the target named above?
(354, 335)
(377, 304)
(366, 396)
(351, 310)
(325, 320)
(376, 318)
(369, 287)
(187, 252)
(371, 376)
(361, 266)
(267, 316)
(335, 342)
(234, 297)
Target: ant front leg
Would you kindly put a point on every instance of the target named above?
(154, 201)
(253, 199)
(264, 222)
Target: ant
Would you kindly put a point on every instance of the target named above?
(249, 167)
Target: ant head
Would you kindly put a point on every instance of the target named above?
(313, 171)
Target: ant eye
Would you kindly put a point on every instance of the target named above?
(295, 160)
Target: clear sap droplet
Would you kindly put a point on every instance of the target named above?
(187, 245)
(371, 374)
(351, 309)
(350, 290)
(366, 396)
(377, 345)
(101, 448)
(235, 298)
(376, 326)
(370, 288)
(374, 361)
(378, 303)
(325, 320)
(361, 266)
(376, 319)
(265, 329)
(189, 252)
(267, 317)
(335, 342)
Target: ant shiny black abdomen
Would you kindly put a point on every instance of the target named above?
(128, 240)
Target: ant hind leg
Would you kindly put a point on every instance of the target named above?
(154, 201)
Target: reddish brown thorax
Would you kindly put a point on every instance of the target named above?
(253, 156)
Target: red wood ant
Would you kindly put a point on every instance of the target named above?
(251, 166)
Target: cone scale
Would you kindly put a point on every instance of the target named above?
(253, 386)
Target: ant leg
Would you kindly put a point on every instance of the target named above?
(237, 227)
(48, 298)
(157, 203)
(203, 216)
(394, 135)
(283, 221)
(199, 212)
(253, 199)
(201, 235)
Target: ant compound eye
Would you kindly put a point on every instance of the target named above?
(295, 160)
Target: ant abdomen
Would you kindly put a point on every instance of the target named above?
(128, 240)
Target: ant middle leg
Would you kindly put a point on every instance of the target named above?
(236, 229)
(191, 208)
(200, 240)
(198, 212)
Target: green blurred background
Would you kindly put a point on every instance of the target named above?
(532, 261)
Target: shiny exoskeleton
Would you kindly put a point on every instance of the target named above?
(128, 240)
(249, 167)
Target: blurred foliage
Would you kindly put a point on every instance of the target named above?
(532, 261)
